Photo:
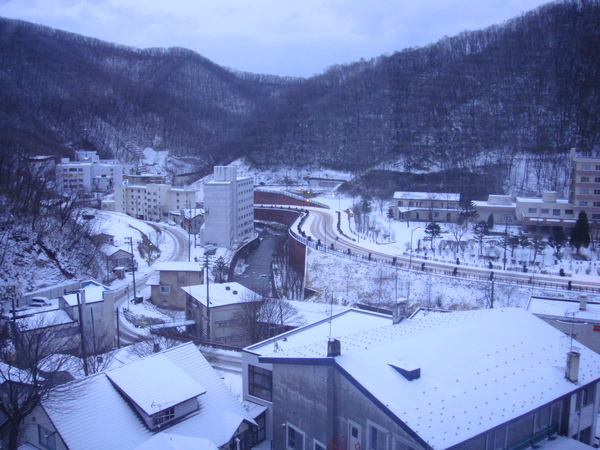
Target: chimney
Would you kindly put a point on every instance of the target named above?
(334, 348)
(583, 303)
(572, 369)
(399, 311)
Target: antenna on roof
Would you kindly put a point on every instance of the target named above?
(572, 333)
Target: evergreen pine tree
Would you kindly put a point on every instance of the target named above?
(580, 237)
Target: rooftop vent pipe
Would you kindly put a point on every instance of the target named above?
(572, 369)
(334, 348)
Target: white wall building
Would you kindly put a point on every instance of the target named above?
(89, 173)
(150, 201)
(229, 208)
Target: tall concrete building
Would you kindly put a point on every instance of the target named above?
(584, 191)
(148, 197)
(228, 207)
(89, 173)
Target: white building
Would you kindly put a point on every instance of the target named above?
(547, 211)
(229, 208)
(170, 400)
(89, 173)
(150, 201)
(426, 206)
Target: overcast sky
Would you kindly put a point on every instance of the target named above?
(279, 37)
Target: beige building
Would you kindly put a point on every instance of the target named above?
(584, 189)
(171, 277)
(545, 213)
(150, 201)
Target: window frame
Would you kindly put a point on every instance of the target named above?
(298, 443)
(253, 373)
(49, 437)
(378, 429)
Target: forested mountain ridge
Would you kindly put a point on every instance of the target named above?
(63, 91)
(527, 90)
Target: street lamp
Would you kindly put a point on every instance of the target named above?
(506, 220)
(411, 242)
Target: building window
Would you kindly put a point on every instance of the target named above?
(585, 179)
(583, 203)
(318, 446)
(163, 416)
(532, 210)
(545, 211)
(596, 204)
(597, 180)
(596, 216)
(585, 167)
(165, 289)
(377, 439)
(260, 382)
(400, 203)
(46, 438)
(400, 444)
(556, 212)
(450, 205)
(586, 396)
(597, 167)
(584, 191)
(295, 438)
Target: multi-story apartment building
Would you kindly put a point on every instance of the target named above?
(151, 201)
(228, 208)
(89, 173)
(584, 191)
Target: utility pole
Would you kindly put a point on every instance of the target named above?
(118, 329)
(207, 298)
(492, 299)
(82, 334)
(130, 239)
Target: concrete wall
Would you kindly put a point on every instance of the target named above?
(176, 297)
(320, 402)
(277, 198)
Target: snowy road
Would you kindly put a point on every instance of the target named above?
(320, 224)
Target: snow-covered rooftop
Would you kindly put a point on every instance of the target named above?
(94, 293)
(320, 332)
(478, 369)
(540, 200)
(561, 308)
(99, 417)
(149, 383)
(221, 294)
(178, 266)
(451, 197)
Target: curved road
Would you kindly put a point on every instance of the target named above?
(179, 252)
(321, 224)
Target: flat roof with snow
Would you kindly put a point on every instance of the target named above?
(484, 367)
(221, 294)
(318, 333)
(562, 308)
(94, 293)
(178, 266)
(452, 197)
